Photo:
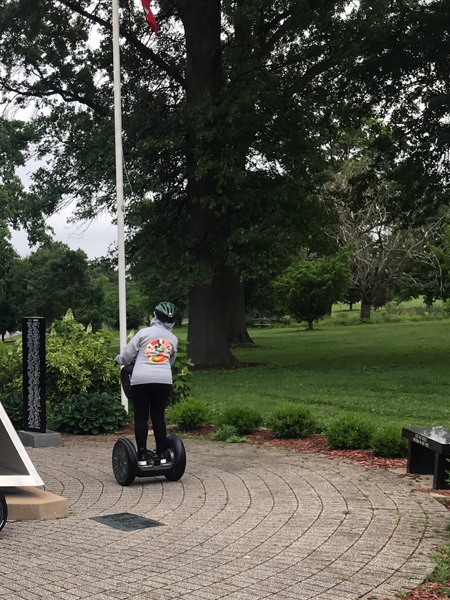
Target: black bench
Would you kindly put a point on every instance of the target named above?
(260, 323)
(428, 451)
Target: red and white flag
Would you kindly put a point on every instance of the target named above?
(149, 15)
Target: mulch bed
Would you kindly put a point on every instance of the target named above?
(316, 444)
(430, 591)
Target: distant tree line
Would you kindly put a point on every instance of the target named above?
(54, 278)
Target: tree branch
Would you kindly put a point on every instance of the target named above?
(168, 68)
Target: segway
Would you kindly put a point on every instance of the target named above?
(3, 511)
(124, 457)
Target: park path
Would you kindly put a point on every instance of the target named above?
(244, 523)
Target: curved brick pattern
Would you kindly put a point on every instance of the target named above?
(245, 523)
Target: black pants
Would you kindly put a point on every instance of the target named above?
(150, 399)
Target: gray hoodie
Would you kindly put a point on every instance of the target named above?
(153, 350)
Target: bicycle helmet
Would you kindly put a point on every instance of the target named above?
(165, 312)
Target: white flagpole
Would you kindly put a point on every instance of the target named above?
(119, 183)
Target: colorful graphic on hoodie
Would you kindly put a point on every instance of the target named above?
(158, 351)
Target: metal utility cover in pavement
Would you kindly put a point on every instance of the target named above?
(127, 521)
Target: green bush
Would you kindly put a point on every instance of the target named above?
(388, 442)
(224, 432)
(181, 375)
(13, 404)
(90, 413)
(228, 433)
(292, 421)
(10, 366)
(77, 361)
(244, 418)
(236, 439)
(189, 413)
(441, 572)
(350, 432)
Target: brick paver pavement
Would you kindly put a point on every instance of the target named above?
(244, 523)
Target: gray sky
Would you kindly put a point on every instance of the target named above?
(94, 238)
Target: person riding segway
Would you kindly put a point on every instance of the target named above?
(147, 381)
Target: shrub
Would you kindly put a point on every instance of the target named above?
(349, 432)
(388, 442)
(224, 432)
(10, 366)
(90, 413)
(181, 375)
(441, 572)
(292, 421)
(77, 361)
(189, 413)
(13, 404)
(244, 418)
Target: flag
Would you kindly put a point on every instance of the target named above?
(149, 15)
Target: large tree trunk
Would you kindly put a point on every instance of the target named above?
(204, 229)
(234, 309)
(365, 309)
(207, 342)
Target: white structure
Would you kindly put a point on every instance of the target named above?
(16, 468)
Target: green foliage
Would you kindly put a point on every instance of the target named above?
(224, 432)
(78, 361)
(57, 279)
(388, 442)
(236, 439)
(391, 313)
(228, 433)
(244, 418)
(292, 421)
(189, 413)
(90, 413)
(308, 288)
(351, 432)
(182, 377)
(10, 366)
(441, 573)
(13, 404)
(11, 292)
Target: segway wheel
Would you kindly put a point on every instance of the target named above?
(3, 511)
(124, 461)
(175, 448)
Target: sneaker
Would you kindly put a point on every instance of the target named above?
(142, 459)
(146, 457)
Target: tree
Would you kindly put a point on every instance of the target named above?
(10, 287)
(364, 194)
(308, 287)
(429, 277)
(351, 296)
(226, 124)
(17, 207)
(57, 279)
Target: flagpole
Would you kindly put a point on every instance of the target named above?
(119, 184)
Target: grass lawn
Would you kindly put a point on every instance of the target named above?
(393, 372)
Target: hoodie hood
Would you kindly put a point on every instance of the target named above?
(156, 321)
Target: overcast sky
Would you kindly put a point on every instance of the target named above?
(94, 238)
